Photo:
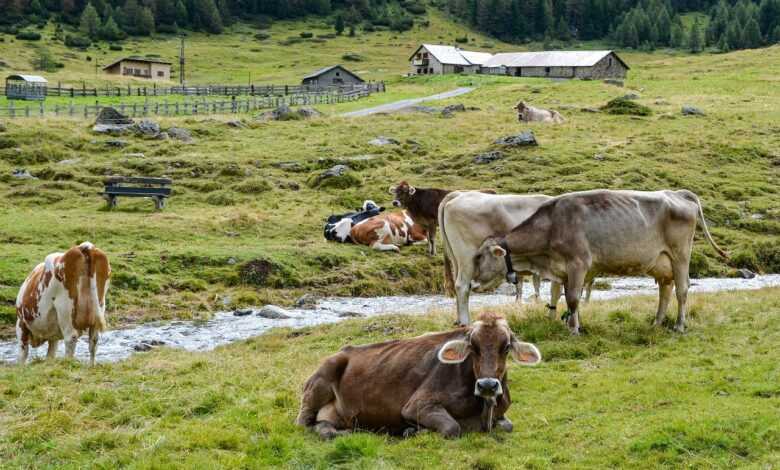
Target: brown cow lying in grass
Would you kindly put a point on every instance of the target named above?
(447, 382)
(527, 113)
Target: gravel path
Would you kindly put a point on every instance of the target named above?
(390, 107)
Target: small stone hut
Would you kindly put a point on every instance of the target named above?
(334, 75)
(25, 87)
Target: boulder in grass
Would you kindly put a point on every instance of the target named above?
(180, 133)
(523, 139)
(382, 141)
(688, 110)
(110, 116)
(488, 157)
(147, 128)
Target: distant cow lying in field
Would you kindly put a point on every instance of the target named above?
(446, 382)
(338, 227)
(423, 207)
(63, 297)
(527, 113)
(388, 231)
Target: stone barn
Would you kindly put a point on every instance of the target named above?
(558, 64)
(140, 67)
(332, 76)
(438, 59)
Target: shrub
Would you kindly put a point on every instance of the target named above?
(261, 36)
(401, 23)
(624, 106)
(768, 255)
(115, 47)
(254, 186)
(28, 36)
(221, 198)
(462, 40)
(353, 57)
(79, 42)
(415, 8)
(306, 35)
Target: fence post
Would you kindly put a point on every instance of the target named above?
(72, 109)
(40, 104)
(56, 110)
(11, 111)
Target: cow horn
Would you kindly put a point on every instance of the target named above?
(412, 190)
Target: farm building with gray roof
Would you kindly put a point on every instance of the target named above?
(438, 59)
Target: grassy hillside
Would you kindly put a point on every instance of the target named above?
(234, 209)
(623, 395)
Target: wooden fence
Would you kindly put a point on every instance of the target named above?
(194, 107)
(205, 90)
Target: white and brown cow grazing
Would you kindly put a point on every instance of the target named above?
(448, 382)
(61, 299)
(388, 231)
(574, 236)
(527, 113)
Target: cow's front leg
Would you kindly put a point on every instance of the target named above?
(537, 280)
(23, 335)
(573, 292)
(51, 353)
(327, 419)
(64, 308)
(555, 295)
(433, 417)
(519, 290)
(432, 240)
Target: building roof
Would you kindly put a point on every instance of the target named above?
(27, 78)
(137, 59)
(476, 58)
(328, 69)
(549, 59)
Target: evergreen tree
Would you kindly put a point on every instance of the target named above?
(733, 35)
(110, 31)
(723, 44)
(206, 16)
(339, 26)
(562, 31)
(769, 17)
(145, 22)
(89, 25)
(632, 36)
(166, 12)
(775, 37)
(352, 30)
(751, 35)
(694, 39)
(664, 27)
(677, 37)
(182, 16)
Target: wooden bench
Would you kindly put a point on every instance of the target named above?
(155, 188)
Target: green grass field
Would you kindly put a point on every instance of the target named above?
(623, 395)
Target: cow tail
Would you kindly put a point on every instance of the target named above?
(95, 317)
(449, 277)
(704, 227)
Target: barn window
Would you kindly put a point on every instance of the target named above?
(430, 70)
(610, 61)
(160, 73)
(547, 70)
(338, 74)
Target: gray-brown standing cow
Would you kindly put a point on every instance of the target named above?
(577, 235)
(63, 297)
(447, 382)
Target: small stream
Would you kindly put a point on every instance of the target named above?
(225, 327)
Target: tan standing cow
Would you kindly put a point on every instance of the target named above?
(577, 235)
(447, 382)
(61, 299)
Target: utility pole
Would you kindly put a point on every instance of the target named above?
(181, 62)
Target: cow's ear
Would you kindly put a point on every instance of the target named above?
(391, 190)
(525, 353)
(454, 352)
(412, 190)
(497, 251)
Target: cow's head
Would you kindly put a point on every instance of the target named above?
(489, 264)
(489, 341)
(403, 193)
(520, 106)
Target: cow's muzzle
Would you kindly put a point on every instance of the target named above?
(488, 388)
(396, 203)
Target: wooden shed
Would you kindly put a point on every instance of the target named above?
(25, 87)
(332, 76)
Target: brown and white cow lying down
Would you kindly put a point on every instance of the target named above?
(576, 235)
(447, 382)
(388, 231)
(422, 205)
(527, 113)
(62, 298)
